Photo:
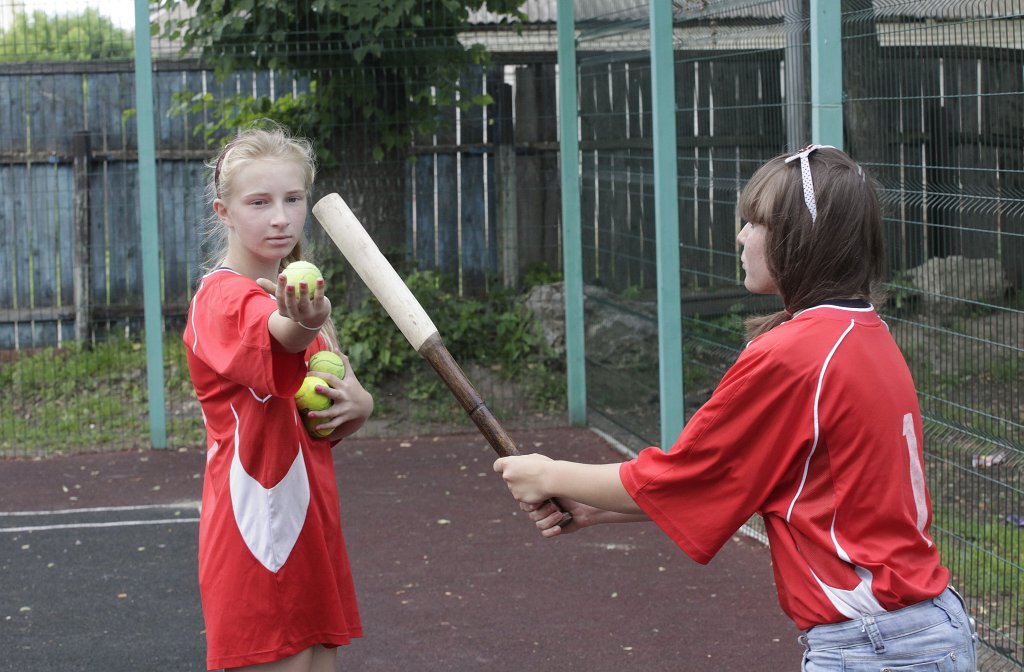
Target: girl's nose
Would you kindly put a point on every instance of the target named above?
(278, 216)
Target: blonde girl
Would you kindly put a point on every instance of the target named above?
(274, 576)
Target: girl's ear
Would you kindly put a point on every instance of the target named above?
(221, 209)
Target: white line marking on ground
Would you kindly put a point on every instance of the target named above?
(104, 509)
(76, 526)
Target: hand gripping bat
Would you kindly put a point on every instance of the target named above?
(380, 277)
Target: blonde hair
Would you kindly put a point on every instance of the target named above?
(265, 140)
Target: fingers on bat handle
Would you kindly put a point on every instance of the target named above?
(566, 516)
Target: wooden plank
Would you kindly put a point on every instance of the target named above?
(106, 107)
(8, 252)
(1006, 81)
(170, 130)
(197, 213)
(722, 225)
(493, 79)
(68, 113)
(126, 227)
(637, 166)
(943, 175)
(473, 216)
(689, 98)
(447, 195)
(41, 250)
(97, 237)
(473, 244)
(587, 101)
(529, 183)
(24, 224)
(550, 232)
(447, 215)
(63, 248)
(604, 225)
(12, 118)
(977, 218)
(425, 252)
(625, 271)
(81, 293)
(172, 227)
(191, 122)
(506, 216)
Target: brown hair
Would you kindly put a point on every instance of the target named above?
(841, 254)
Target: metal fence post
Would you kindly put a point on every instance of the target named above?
(148, 224)
(826, 73)
(572, 249)
(666, 216)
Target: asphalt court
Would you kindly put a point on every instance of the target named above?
(98, 569)
(101, 588)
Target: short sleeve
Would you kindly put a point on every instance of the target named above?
(231, 336)
(728, 460)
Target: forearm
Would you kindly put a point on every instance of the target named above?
(289, 334)
(597, 485)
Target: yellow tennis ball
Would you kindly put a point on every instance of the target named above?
(327, 361)
(302, 271)
(311, 424)
(308, 399)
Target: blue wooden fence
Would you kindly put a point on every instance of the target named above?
(449, 192)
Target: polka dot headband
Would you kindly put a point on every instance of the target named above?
(805, 172)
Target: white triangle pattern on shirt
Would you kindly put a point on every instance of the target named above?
(269, 519)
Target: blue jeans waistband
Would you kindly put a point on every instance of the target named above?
(878, 628)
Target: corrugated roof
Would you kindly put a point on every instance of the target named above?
(545, 11)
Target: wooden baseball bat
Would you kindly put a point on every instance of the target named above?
(380, 277)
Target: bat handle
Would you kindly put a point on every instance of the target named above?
(435, 352)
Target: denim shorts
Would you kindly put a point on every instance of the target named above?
(936, 635)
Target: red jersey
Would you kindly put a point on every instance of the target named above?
(273, 571)
(817, 428)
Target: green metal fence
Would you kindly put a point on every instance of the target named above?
(932, 93)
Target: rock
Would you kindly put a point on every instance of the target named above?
(618, 335)
(942, 278)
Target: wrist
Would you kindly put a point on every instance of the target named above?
(549, 477)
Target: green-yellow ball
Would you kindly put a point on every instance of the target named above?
(311, 424)
(327, 361)
(308, 399)
(302, 271)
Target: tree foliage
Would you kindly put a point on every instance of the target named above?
(385, 65)
(84, 36)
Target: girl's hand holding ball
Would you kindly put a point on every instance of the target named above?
(300, 295)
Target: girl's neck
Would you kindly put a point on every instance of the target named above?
(252, 268)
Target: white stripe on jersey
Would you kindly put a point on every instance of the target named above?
(850, 603)
(817, 397)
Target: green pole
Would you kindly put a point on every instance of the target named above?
(826, 73)
(148, 227)
(666, 223)
(572, 247)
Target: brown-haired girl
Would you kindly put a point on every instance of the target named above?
(274, 575)
(816, 428)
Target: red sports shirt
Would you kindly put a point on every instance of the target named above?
(273, 571)
(817, 428)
